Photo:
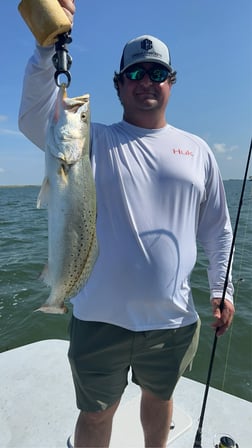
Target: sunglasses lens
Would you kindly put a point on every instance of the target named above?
(158, 74)
(136, 75)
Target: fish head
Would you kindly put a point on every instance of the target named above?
(68, 135)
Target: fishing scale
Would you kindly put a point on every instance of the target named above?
(50, 25)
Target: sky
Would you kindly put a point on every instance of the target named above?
(211, 49)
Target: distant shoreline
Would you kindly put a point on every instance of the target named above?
(39, 185)
(19, 186)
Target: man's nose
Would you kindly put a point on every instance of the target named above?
(146, 80)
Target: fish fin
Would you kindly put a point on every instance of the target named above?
(52, 309)
(42, 200)
(44, 276)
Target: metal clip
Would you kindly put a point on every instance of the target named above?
(62, 60)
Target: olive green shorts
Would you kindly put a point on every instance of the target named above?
(101, 355)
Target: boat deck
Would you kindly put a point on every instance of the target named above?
(37, 405)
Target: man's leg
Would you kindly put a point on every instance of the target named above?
(156, 416)
(99, 356)
(93, 429)
(159, 359)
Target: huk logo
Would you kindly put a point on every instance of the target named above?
(182, 152)
(146, 44)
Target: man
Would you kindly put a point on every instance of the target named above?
(158, 191)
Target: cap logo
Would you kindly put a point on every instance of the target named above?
(146, 44)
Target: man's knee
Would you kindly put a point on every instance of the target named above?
(99, 417)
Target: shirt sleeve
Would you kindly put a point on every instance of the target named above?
(215, 232)
(38, 95)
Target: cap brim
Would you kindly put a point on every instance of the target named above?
(139, 61)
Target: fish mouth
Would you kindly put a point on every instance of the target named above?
(72, 104)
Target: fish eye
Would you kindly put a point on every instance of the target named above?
(83, 116)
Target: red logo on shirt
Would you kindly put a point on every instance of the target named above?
(182, 152)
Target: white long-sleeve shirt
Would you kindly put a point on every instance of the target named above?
(158, 192)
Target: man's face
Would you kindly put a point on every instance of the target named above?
(144, 94)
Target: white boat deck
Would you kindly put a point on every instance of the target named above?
(37, 405)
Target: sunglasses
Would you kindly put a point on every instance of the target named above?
(156, 73)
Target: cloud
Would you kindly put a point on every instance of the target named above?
(222, 148)
(9, 132)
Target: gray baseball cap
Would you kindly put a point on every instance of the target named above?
(145, 48)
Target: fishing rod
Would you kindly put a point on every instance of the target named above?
(197, 441)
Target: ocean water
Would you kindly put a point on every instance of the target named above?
(23, 253)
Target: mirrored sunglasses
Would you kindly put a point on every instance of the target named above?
(156, 73)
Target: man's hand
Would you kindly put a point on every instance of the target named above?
(69, 8)
(224, 318)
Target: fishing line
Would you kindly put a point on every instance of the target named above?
(239, 280)
(197, 441)
(230, 338)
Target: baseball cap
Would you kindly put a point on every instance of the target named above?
(145, 48)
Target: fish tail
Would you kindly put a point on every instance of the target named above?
(52, 309)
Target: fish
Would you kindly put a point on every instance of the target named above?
(68, 192)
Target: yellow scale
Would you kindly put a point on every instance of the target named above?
(45, 18)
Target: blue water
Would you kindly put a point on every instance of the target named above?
(23, 253)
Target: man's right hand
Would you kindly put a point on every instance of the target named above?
(69, 8)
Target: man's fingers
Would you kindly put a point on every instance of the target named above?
(223, 318)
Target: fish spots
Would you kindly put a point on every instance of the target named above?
(73, 248)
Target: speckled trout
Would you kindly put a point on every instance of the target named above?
(68, 191)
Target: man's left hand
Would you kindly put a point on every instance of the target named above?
(223, 319)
